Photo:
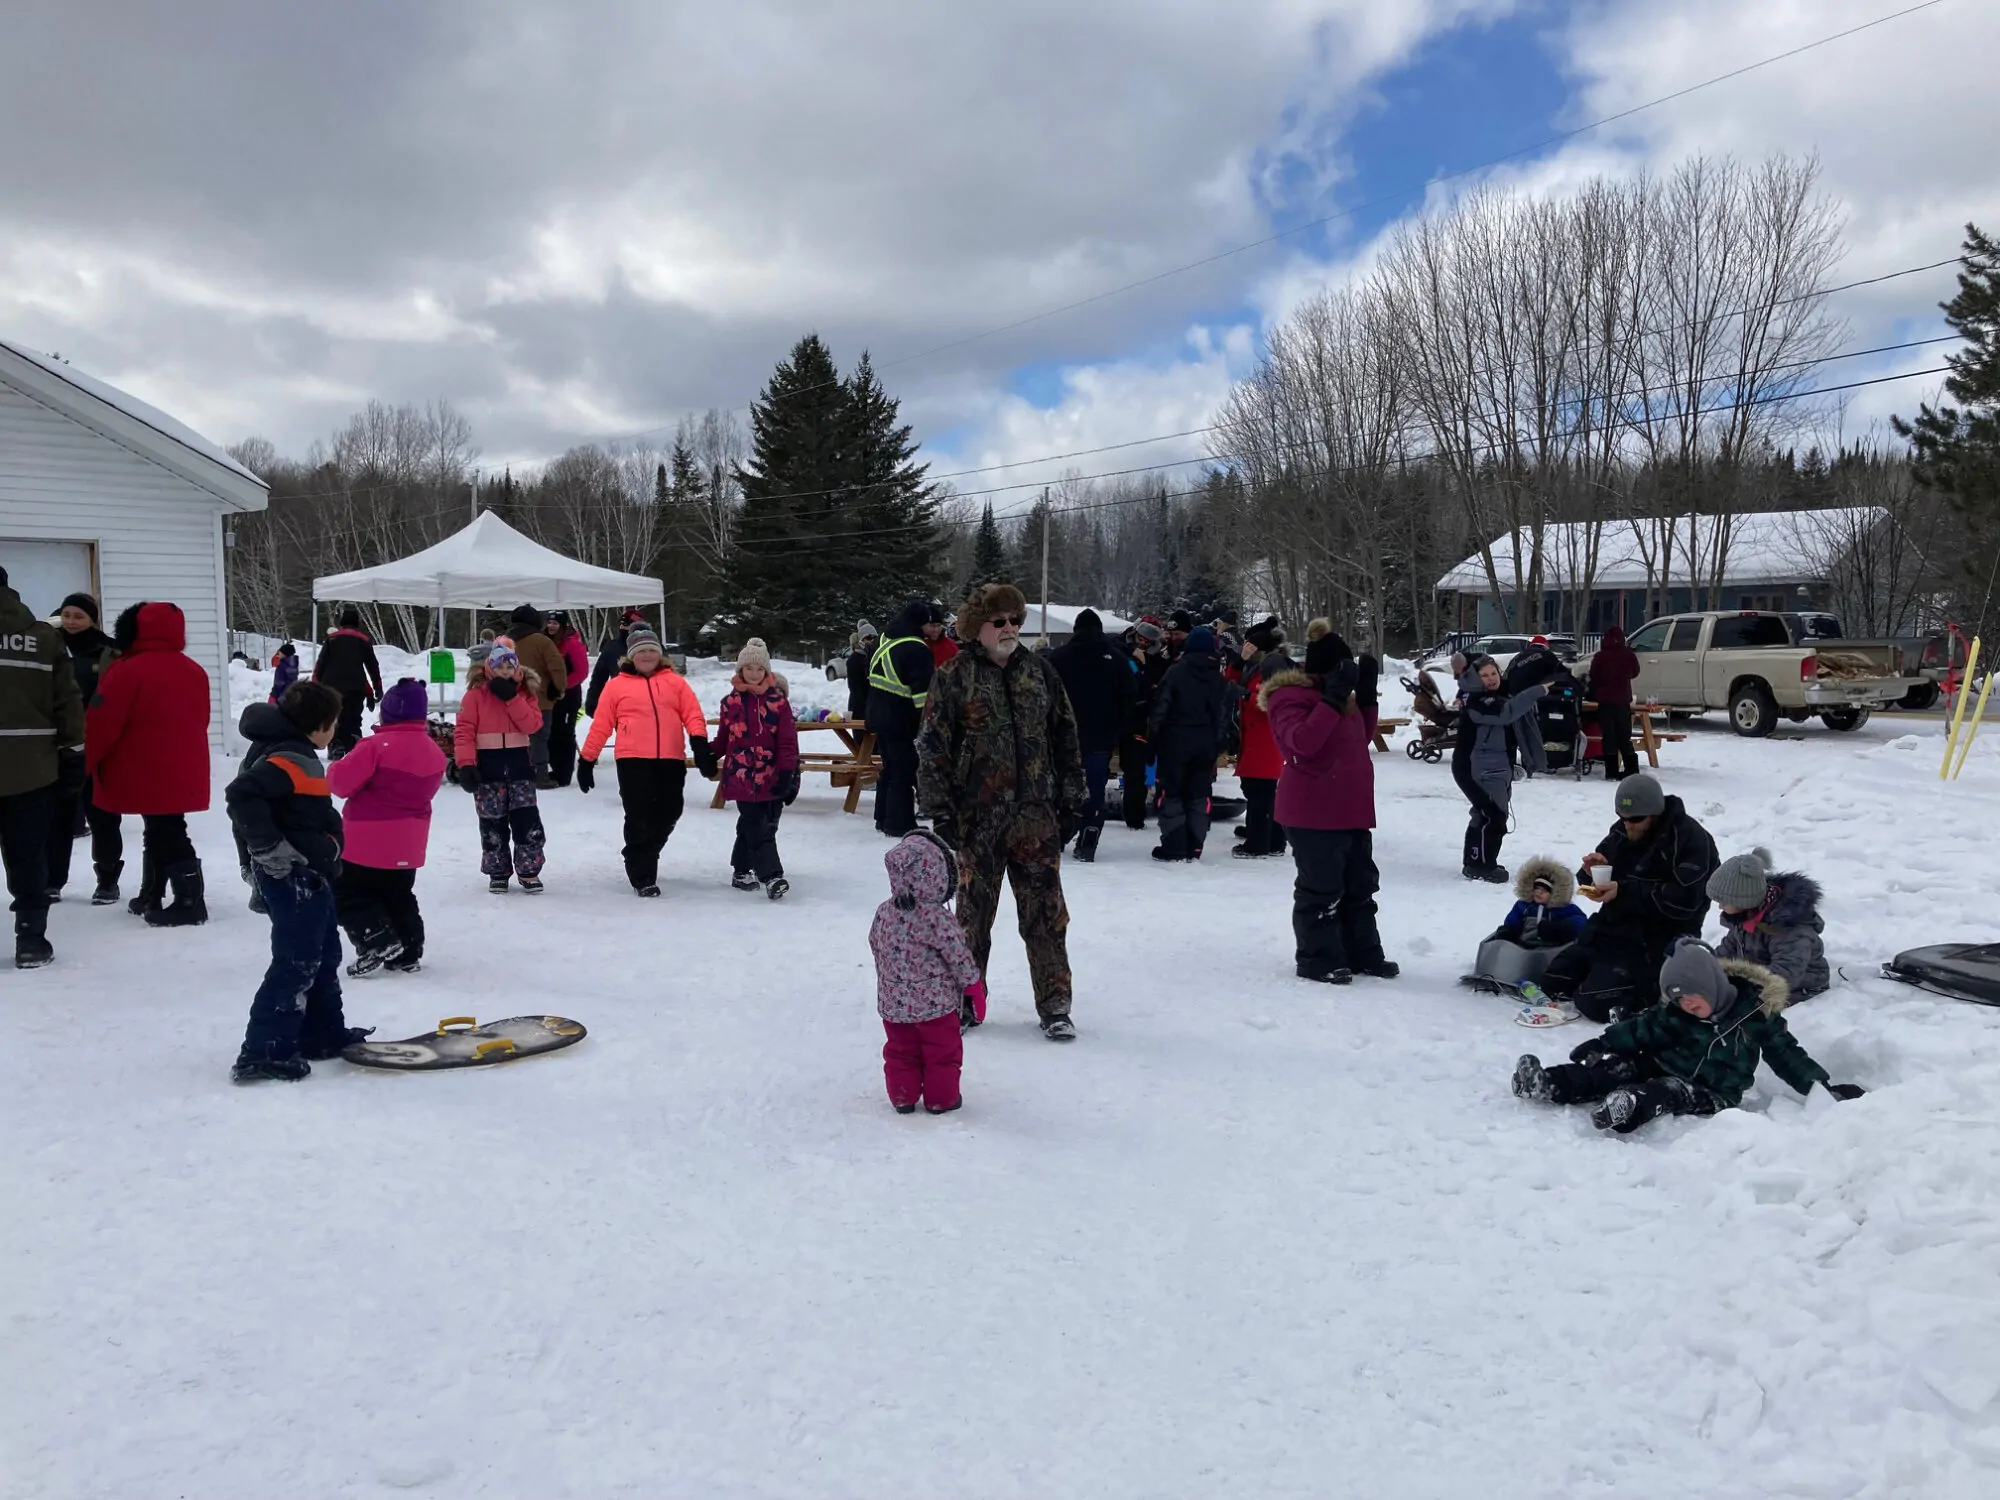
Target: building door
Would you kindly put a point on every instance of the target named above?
(42, 573)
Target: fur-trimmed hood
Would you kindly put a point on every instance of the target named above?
(1794, 899)
(1775, 992)
(1291, 677)
(1562, 884)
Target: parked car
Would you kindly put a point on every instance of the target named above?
(1926, 659)
(1457, 640)
(1745, 662)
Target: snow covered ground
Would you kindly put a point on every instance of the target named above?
(1247, 1237)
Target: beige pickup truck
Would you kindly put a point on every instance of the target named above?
(1745, 663)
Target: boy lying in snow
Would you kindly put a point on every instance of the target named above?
(1693, 1053)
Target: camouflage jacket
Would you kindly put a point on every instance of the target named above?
(997, 737)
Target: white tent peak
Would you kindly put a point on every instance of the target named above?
(489, 565)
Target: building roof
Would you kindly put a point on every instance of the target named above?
(127, 420)
(1062, 619)
(1766, 547)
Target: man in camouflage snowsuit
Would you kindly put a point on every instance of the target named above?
(1000, 774)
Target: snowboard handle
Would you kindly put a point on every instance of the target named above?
(470, 1022)
(498, 1044)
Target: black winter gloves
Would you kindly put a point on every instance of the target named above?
(1338, 685)
(1069, 823)
(704, 758)
(1845, 1090)
(586, 776)
(69, 771)
(1368, 672)
(503, 688)
(468, 778)
(1589, 1051)
(788, 787)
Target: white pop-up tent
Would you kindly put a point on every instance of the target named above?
(489, 565)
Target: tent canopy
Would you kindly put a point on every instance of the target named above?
(1062, 620)
(489, 565)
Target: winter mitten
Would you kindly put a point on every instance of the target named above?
(70, 771)
(704, 758)
(278, 861)
(586, 775)
(503, 688)
(1589, 1051)
(1845, 1090)
(1338, 685)
(788, 787)
(975, 1001)
(1069, 823)
(468, 778)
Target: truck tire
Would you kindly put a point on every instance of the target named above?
(1844, 719)
(1924, 695)
(1753, 712)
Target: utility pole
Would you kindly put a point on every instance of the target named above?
(1045, 565)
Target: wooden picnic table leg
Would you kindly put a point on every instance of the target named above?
(1648, 739)
(717, 799)
(862, 752)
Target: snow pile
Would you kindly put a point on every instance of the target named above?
(1246, 1236)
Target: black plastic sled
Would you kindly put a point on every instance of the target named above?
(1959, 971)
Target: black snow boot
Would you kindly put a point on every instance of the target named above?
(31, 945)
(1327, 976)
(777, 888)
(189, 909)
(152, 886)
(743, 880)
(1531, 1080)
(254, 1067)
(321, 1049)
(373, 955)
(1381, 968)
(106, 893)
(1086, 842)
(1491, 874)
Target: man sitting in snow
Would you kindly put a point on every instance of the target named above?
(1694, 1053)
(1658, 860)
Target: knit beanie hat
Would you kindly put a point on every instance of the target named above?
(1693, 969)
(866, 631)
(642, 635)
(477, 655)
(1266, 635)
(1180, 620)
(1740, 882)
(500, 653)
(407, 700)
(1542, 883)
(1640, 797)
(1148, 632)
(1325, 651)
(754, 654)
(85, 603)
(1200, 642)
(528, 617)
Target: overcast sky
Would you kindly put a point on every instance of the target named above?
(579, 221)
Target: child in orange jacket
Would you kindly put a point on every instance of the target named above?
(490, 747)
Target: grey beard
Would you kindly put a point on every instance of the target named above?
(1001, 650)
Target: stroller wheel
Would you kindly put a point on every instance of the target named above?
(1414, 750)
(1434, 753)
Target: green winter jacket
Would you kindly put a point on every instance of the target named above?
(1720, 1054)
(997, 737)
(41, 711)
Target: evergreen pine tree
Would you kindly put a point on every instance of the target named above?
(791, 574)
(989, 552)
(1027, 565)
(892, 514)
(1957, 448)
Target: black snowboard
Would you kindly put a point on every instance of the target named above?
(1958, 971)
(461, 1042)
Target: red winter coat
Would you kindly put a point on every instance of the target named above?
(576, 661)
(755, 738)
(1612, 669)
(1258, 760)
(146, 733)
(1329, 777)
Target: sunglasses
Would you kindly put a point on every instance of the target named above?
(1624, 819)
(1001, 622)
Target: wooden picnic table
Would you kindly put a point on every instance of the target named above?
(1383, 729)
(1650, 739)
(855, 766)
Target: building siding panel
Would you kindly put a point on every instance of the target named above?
(157, 536)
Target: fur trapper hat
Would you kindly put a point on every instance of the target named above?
(986, 601)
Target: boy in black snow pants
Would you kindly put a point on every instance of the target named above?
(1694, 1053)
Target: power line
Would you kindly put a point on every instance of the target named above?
(1485, 371)
(1381, 200)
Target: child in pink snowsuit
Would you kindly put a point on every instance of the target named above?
(924, 973)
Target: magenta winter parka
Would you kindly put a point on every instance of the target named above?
(388, 782)
(756, 737)
(1328, 779)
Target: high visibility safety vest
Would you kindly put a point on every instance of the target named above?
(882, 670)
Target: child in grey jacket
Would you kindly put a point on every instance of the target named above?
(1773, 920)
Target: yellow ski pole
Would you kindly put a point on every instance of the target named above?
(1971, 734)
(1958, 710)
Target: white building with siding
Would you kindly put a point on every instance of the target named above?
(100, 492)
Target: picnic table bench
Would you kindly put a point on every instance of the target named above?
(1650, 739)
(854, 766)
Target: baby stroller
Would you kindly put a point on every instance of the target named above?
(1437, 722)
(1560, 717)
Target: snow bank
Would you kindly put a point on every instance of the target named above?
(1247, 1236)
